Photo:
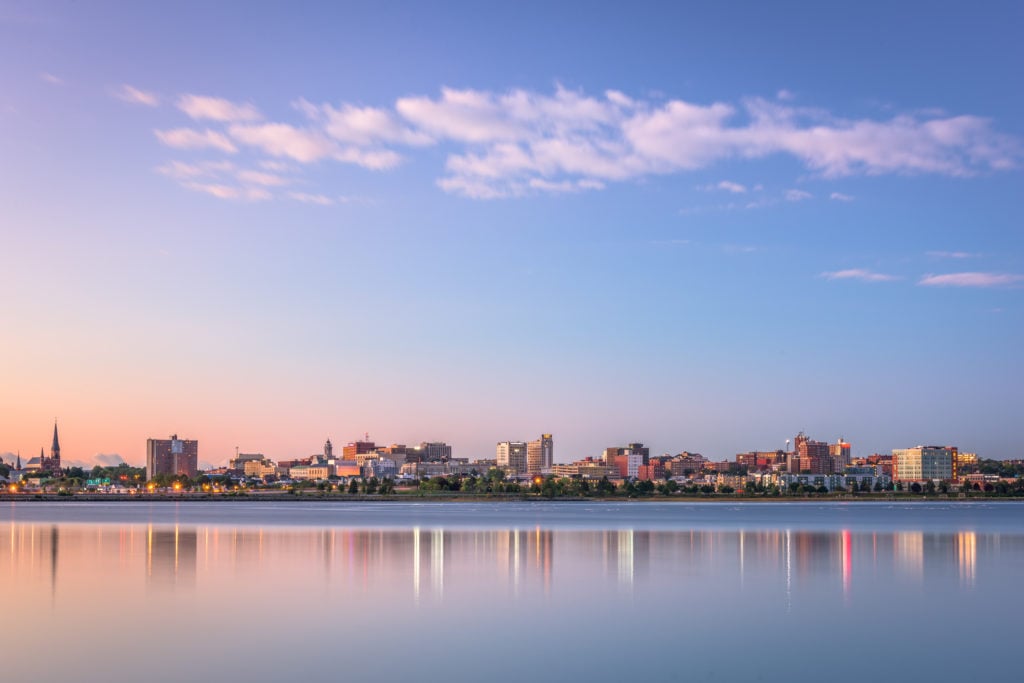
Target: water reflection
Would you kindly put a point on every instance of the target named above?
(424, 562)
(537, 590)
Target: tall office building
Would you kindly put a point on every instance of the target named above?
(354, 448)
(839, 452)
(540, 455)
(510, 456)
(924, 463)
(172, 456)
(809, 456)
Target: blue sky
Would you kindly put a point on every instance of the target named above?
(702, 227)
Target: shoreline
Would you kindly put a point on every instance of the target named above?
(481, 498)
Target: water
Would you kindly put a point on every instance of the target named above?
(262, 591)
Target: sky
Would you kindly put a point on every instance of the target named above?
(703, 226)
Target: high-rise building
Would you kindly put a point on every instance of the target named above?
(809, 456)
(435, 451)
(924, 463)
(510, 456)
(540, 455)
(172, 456)
(627, 459)
(839, 452)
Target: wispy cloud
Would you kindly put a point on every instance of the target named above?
(951, 254)
(127, 93)
(219, 191)
(306, 198)
(840, 197)
(217, 109)
(726, 185)
(861, 274)
(188, 138)
(971, 280)
(51, 79)
(520, 142)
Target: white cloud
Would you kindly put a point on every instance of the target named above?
(727, 185)
(368, 125)
(840, 197)
(127, 93)
(217, 109)
(181, 170)
(261, 178)
(51, 79)
(188, 138)
(785, 95)
(859, 274)
(220, 191)
(283, 140)
(952, 254)
(519, 142)
(971, 280)
(306, 198)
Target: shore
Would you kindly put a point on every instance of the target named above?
(451, 497)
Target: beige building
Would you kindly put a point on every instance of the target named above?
(309, 472)
(924, 463)
(540, 455)
(511, 457)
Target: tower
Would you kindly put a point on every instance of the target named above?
(328, 450)
(55, 450)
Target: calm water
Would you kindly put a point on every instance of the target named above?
(510, 592)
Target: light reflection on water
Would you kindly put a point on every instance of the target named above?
(604, 603)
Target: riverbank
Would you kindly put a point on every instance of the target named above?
(454, 497)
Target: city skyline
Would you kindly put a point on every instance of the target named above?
(691, 226)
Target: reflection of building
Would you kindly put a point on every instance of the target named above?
(172, 456)
(171, 556)
(923, 463)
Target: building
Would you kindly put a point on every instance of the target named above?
(540, 455)
(924, 463)
(240, 460)
(352, 449)
(434, 451)
(510, 456)
(172, 457)
(259, 469)
(839, 453)
(809, 456)
(628, 459)
(328, 450)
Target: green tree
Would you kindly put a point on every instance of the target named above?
(353, 486)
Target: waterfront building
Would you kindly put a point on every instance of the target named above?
(309, 472)
(540, 455)
(809, 456)
(381, 468)
(839, 453)
(172, 456)
(924, 463)
(240, 460)
(510, 456)
(354, 448)
(260, 469)
(434, 451)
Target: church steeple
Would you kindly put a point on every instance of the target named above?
(17, 466)
(55, 448)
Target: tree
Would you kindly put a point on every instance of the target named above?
(353, 486)
(605, 487)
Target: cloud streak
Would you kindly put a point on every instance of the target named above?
(860, 274)
(127, 93)
(972, 279)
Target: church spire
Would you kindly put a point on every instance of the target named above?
(18, 465)
(55, 448)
